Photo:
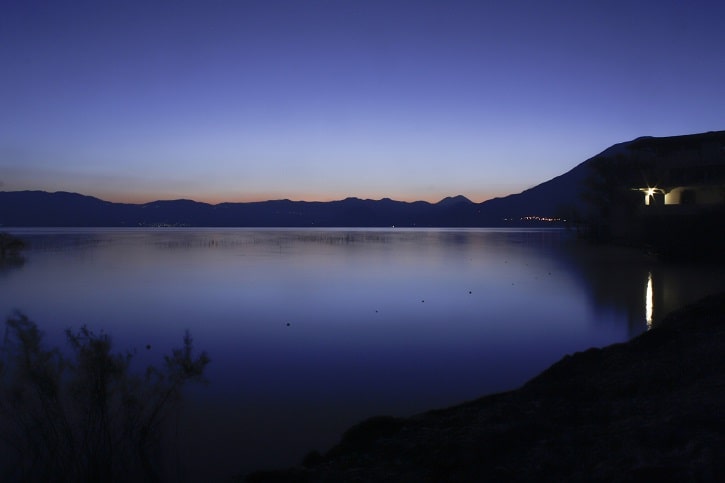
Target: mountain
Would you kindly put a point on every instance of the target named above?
(556, 198)
(632, 162)
(38, 208)
(454, 200)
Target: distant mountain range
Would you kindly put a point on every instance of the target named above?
(542, 204)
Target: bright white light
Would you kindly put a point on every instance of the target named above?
(649, 302)
(648, 194)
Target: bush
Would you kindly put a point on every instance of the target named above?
(10, 245)
(87, 417)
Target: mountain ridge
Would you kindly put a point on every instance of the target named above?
(41, 208)
(550, 201)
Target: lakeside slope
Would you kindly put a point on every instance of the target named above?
(648, 409)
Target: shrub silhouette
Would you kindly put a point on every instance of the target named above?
(10, 251)
(10, 245)
(85, 417)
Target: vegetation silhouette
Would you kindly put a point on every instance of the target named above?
(10, 248)
(610, 198)
(86, 417)
(10, 245)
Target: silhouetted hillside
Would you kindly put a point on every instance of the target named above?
(694, 159)
(37, 208)
(561, 197)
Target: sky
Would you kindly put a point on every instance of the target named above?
(217, 100)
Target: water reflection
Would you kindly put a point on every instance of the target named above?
(615, 281)
(312, 330)
(649, 302)
(12, 262)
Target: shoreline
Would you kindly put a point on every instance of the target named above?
(643, 409)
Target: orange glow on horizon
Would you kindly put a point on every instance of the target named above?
(260, 197)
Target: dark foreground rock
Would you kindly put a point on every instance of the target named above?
(652, 409)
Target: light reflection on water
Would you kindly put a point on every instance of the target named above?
(649, 301)
(311, 330)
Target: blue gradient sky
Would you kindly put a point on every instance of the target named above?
(320, 100)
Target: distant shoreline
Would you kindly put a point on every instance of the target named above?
(61, 209)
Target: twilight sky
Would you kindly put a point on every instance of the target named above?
(323, 99)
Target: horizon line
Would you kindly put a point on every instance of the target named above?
(384, 198)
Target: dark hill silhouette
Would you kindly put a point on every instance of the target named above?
(38, 208)
(560, 197)
(554, 198)
(454, 200)
(564, 195)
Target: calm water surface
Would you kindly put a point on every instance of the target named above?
(310, 331)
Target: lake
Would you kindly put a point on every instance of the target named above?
(312, 330)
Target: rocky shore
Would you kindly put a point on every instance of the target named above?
(652, 409)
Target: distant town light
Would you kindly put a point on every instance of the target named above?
(547, 219)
